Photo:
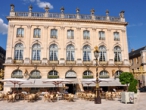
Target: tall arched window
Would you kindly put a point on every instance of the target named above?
(117, 52)
(86, 34)
(37, 33)
(86, 53)
(102, 53)
(103, 74)
(17, 74)
(35, 74)
(53, 52)
(36, 52)
(53, 74)
(70, 34)
(87, 74)
(18, 55)
(53, 33)
(20, 32)
(116, 36)
(70, 53)
(101, 35)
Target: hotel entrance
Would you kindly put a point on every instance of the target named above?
(72, 86)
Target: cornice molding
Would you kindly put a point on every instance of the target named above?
(70, 20)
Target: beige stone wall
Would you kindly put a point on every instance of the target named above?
(45, 41)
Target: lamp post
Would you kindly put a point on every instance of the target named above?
(97, 89)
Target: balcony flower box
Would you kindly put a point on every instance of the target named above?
(53, 62)
(70, 62)
(53, 76)
(87, 62)
(118, 62)
(103, 76)
(17, 76)
(18, 61)
(87, 76)
(103, 62)
(35, 77)
(36, 61)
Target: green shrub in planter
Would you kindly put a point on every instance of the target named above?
(104, 76)
(132, 86)
(53, 76)
(87, 76)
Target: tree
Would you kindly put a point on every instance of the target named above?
(126, 78)
(132, 86)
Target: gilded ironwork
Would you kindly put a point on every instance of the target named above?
(1, 74)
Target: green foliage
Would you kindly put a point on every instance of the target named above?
(87, 76)
(53, 76)
(132, 86)
(126, 78)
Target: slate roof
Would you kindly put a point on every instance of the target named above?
(136, 53)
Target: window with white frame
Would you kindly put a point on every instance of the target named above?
(53, 52)
(53, 73)
(17, 74)
(18, 55)
(103, 74)
(102, 53)
(87, 73)
(36, 52)
(37, 33)
(86, 34)
(101, 35)
(117, 53)
(53, 33)
(70, 34)
(116, 36)
(20, 32)
(70, 53)
(86, 53)
(35, 74)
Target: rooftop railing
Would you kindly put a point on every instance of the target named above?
(61, 15)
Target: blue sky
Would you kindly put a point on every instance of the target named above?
(135, 14)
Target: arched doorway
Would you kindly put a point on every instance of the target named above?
(71, 87)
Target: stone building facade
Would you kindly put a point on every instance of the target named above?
(138, 65)
(49, 45)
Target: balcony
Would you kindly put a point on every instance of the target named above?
(36, 36)
(53, 62)
(118, 62)
(18, 61)
(70, 62)
(87, 62)
(19, 35)
(35, 61)
(55, 37)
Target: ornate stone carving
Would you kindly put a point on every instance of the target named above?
(12, 7)
(46, 9)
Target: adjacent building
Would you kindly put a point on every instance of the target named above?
(138, 65)
(58, 45)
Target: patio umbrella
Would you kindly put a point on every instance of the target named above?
(57, 81)
(14, 81)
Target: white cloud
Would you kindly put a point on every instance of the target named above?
(3, 27)
(40, 4)
(43, 4)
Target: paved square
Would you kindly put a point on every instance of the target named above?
(79, 104)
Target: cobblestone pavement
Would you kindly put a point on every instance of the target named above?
(79, 104)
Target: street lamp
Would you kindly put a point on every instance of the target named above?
(97, 90)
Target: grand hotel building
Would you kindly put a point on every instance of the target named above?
(58, 45)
